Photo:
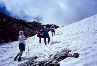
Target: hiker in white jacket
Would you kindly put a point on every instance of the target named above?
(21, 45)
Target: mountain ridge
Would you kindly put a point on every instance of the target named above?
(10, 27)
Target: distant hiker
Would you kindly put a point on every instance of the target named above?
(46, 34)
(21, 45)
(39, 34)
(53, 29)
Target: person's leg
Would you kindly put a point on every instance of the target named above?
(54, 32)
(39, 39)
(16, 57)
(45, 40)
(48, 40)
(20, 54)
(22, 48)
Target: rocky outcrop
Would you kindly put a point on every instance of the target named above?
(10, 27)
(53, 60)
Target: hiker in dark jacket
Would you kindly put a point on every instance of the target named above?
(39, 34)
(46, 34)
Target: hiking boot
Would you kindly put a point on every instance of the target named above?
(15, 58)
(19, 59)
(35, 57)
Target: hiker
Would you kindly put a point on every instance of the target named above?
(39, 34)
(46, 34)
(53, 29)
(21, 45)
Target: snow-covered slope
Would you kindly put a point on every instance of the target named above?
(80, 37)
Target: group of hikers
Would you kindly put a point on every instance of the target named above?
(42, 33)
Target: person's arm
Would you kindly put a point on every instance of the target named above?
(49, 29)
(42, 33)
(54, 27)
(25, 38)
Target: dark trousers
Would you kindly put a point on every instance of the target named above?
(40, 36)
(39, 39)
(47, 36)
(53, 32)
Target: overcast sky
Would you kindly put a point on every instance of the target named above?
(60, 12)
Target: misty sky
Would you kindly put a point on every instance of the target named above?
(60, 12)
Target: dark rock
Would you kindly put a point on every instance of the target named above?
(10, 27)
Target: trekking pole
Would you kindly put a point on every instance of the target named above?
(59, 35)
(28, 51)
(52, 38)
(25, 48)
